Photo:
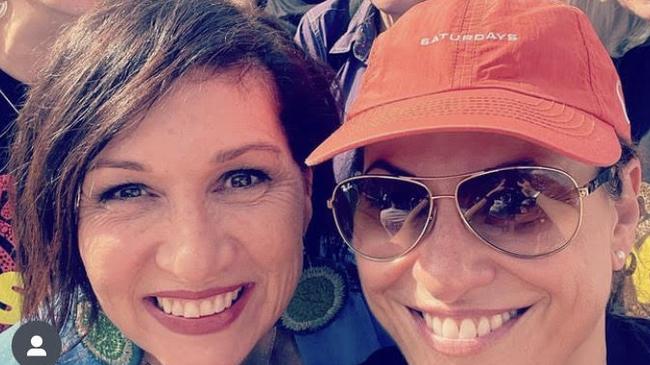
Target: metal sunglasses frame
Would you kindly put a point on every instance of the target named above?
(585, 190)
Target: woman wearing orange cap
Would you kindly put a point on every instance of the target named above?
(498, 194)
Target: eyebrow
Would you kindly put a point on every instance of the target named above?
(113, 164)
(231, 154)
(219, 158)
(396, 171)
(387, 166)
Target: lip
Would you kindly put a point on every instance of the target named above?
(203, 325)
(464, 347)
(195, 295)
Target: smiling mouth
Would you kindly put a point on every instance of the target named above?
(469, 327)
(197, 308)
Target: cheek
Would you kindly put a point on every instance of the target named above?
(109, 268)
(381, 280)
(574, 279)
(272, 238)
(272, 232)
(585, 266)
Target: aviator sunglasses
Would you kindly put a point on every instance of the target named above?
(523, 211)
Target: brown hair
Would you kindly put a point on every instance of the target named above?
(105, 73)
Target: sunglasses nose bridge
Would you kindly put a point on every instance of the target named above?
(432, 201)
(434, 210)
(436, 197)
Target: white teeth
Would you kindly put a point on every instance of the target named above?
(219, 303)
(483, 326)
(449, 329)
(198, 308)
(177, 308)
(206, 307)
(437, 326)
(496, 321)
(191, 310)
(466, 328)
(167, 305)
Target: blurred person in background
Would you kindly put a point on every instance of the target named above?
(624, 28)
(27, 29)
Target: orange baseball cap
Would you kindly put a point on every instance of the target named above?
(531, 69)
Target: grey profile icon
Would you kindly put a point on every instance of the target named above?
(36, 350)
(36, 343)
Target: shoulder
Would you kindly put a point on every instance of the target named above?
(628, 340)
(327, 9)
(324, 24)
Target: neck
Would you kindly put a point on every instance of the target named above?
(26, 32)
(387, 20)
(593, 350)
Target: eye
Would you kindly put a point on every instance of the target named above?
(244, 179)
(124, 192)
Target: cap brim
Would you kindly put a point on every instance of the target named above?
(558, 127)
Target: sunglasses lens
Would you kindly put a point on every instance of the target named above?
(381, 217)
(523, 211)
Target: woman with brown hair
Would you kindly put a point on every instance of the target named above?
(161, 195)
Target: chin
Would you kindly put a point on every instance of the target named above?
(203, 353)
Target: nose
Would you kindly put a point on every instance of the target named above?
(197, 247)
(450, 260)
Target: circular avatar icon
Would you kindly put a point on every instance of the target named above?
(36, 343)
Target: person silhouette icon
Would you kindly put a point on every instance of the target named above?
(36, 351)
(33, 343)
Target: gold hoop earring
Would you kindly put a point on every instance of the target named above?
(630, 265)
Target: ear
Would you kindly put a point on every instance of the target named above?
(308, 177)
(627, 212)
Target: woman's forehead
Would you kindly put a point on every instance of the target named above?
(454, 153)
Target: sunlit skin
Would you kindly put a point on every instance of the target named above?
(638, 7)
(29, 28)
(452, 273)
(203, 193)
(391, 10)
(69, 7)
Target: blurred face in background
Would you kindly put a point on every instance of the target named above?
(639, 7)
(394, 8)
